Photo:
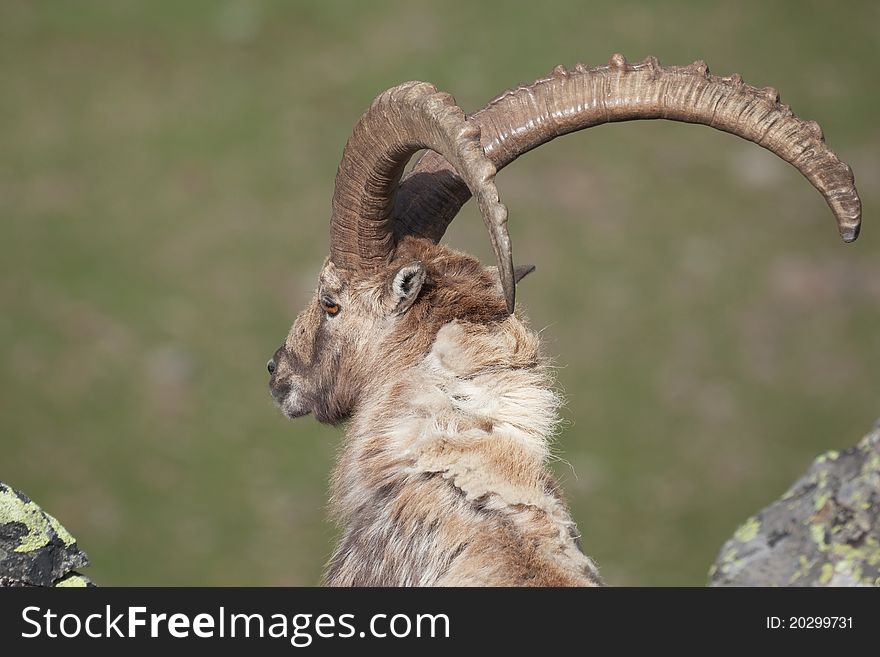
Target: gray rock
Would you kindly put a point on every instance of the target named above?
(35, 549)
(825, 531)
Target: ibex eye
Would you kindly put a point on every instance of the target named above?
(329, 306)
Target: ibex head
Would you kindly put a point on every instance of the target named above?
(388, 286)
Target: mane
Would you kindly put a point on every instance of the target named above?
(451, 455)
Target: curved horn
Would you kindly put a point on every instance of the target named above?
(566, 101)
(400, 122)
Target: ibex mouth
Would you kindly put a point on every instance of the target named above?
(291, 412)
(287, 400)
(278, 392)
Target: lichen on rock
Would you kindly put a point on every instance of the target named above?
(825, 530)
(35, 549)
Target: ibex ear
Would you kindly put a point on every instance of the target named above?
(521, 271)
(406, 286)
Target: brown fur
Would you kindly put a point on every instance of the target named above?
(442, 479)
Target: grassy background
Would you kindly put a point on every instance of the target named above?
(165, 176)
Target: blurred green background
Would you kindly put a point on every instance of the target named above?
(165, 175)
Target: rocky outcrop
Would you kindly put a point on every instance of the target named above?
(825, 530)
(35, 549)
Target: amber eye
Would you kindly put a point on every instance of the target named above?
(329, 306)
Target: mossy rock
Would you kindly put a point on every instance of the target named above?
(35, 549)
(825, 531)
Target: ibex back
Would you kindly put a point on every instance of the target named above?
(449, 404)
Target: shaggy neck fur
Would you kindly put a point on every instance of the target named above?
(443, 480)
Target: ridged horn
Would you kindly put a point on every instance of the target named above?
(569, 100)
(400, 122)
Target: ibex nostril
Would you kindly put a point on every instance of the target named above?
(271, 366)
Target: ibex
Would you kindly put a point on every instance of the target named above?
(449, 403)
